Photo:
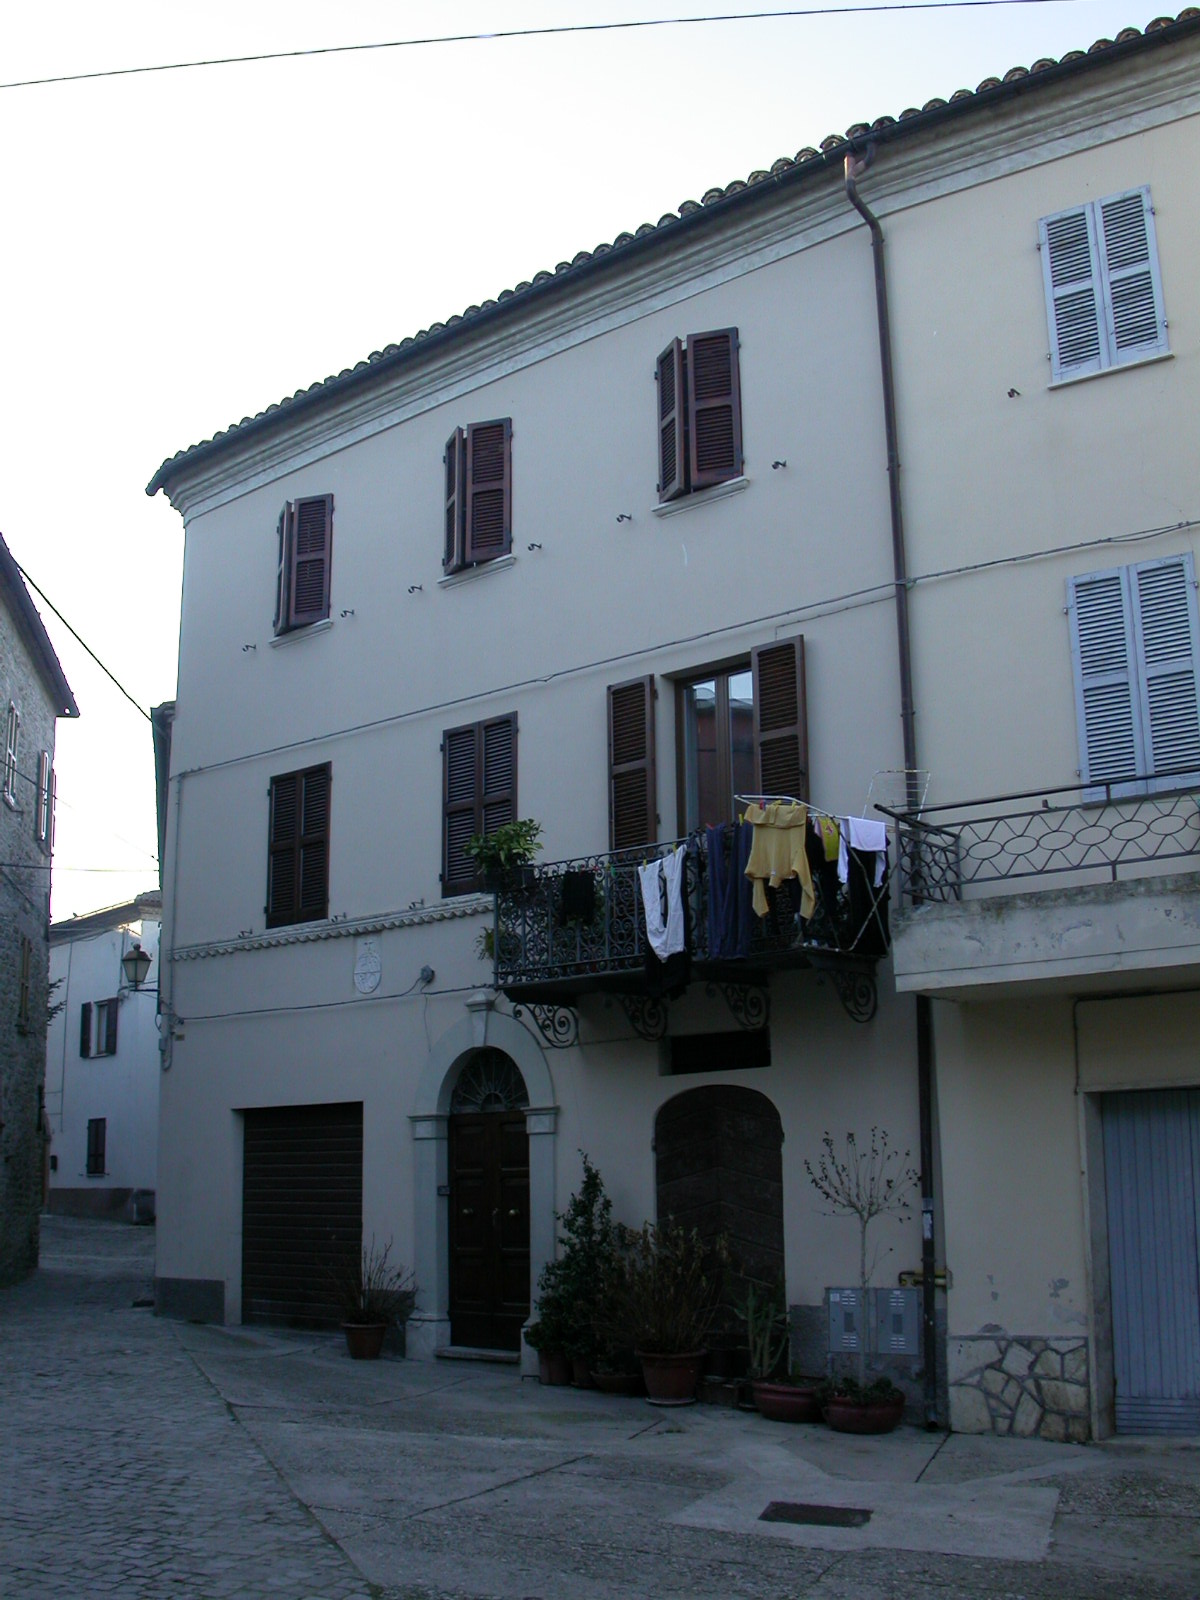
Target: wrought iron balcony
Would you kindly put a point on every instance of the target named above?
(568, 928)
(1077, 836)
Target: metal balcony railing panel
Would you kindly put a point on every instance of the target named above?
(536, 943)
(1077, 836)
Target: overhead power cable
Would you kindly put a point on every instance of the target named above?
(80, 641)
(524, 33)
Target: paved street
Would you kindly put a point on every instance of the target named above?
(146, 1458)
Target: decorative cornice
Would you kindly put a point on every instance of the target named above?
(313, 933)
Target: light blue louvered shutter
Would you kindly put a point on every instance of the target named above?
(1135, 326)
(1107, 703)
(1071, 272)
(1163, 595)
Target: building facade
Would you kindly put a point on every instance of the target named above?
(434, 616)
(102, 1064)
(33, 694)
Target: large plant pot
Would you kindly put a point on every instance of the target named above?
(364, 1340)
(554, 1368)
(581, 1377)
(859, 1416)
(671, 1379)
(787, 1402)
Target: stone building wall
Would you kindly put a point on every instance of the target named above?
(1032, 1387)
(24, 911)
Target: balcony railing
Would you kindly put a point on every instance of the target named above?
(1078, 836)
(542, 951)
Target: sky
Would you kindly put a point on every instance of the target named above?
(181, 249)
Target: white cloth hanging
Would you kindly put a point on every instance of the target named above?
(666, 938)
(862, 833)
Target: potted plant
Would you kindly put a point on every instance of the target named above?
(663, 1296)
(781, 1394)
(373, 1296)
(503, 855)
(863, 1184)
(548, 1336)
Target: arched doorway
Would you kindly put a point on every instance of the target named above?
(489, 1203)
(719, 1169)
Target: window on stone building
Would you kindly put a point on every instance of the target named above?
(43, 823)
(98, 1028)
(12, 739)
(23, 983)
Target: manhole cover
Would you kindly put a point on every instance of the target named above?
(815, 1516)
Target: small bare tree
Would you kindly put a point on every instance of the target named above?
(865, 1184)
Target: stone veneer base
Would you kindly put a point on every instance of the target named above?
(1031, 1387)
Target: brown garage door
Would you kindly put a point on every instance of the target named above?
(301, 1209)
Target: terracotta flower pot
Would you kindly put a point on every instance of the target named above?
(553, 1368)
(581, 1377)
(671, 1379)
(787, 1402)
(864, 1416)
(364, 1340)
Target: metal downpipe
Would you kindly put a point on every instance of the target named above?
(855, 166)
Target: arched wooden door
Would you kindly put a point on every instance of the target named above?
(489, 1204)
(719, 1169)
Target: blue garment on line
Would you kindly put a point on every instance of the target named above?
(730, 912)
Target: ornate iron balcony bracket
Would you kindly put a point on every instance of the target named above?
(854, 984)
(750, 1004)
(558, 1025)
(646, 1016)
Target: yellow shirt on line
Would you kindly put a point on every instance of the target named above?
(779, 851)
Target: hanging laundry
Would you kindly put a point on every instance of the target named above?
(830, 834)
(662, 899)
(729, 908)
(863, 833)
(779, 851)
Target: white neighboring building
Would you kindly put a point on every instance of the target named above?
(102, 1064)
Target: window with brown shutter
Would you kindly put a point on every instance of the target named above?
(699, 413)
(97, 1130)
(479, 793)
(305, 533)
(298, 850)
(478, 494)
(632, 817)
(741, 728)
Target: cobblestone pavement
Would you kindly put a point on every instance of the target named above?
(146, 1458)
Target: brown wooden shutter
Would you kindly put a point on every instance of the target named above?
(459, 790)
(284, 829)
(498, 773)
(672, 460)
(455, 460)
(313, 864)
(85, 1028)
(312, 530)
(489, 490)
(632, 818)
(111, 1011)
(780, 719)
(283, 571)
(714, 407)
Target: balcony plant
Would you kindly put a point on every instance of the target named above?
(663, 1295)
(781, 1393)
(373, 1296)
(504, 854)
(863, 1184)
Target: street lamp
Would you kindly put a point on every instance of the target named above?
(136, 964)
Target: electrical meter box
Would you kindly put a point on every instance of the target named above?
(847, 1324)
(896, 1316)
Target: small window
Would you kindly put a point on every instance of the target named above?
(43, 823)
(478, 494)
(1135, 644)
(479, 793)
(98, 1028)
(12, 739)
(699, 413)
(305, 546)
(298, 847)
(23, 985)
(97, 1136)
(1104, 300)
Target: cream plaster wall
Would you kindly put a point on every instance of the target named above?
(1151, 1042)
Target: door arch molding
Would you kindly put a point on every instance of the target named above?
(482, 1027)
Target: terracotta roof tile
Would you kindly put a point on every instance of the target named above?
(670, 219)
